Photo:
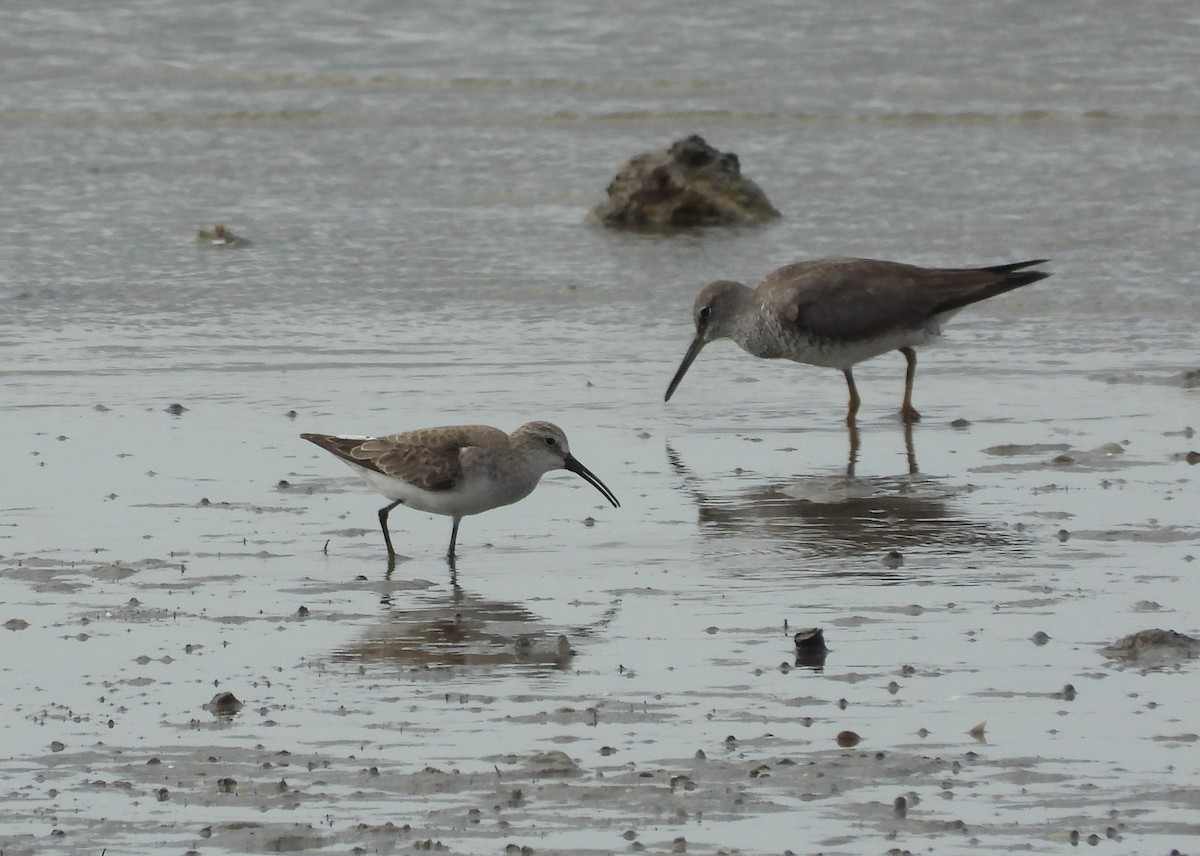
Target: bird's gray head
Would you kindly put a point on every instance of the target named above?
(717, 308)
(545, 444)
(715, 313)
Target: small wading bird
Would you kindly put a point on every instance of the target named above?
(837, 312)
(457, 470)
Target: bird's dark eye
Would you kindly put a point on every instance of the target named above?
(550, 441)
(705, 313)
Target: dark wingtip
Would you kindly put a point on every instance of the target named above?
(1018, 266)
(1015, 274)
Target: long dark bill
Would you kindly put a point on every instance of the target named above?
(587, 475)
(692, 351)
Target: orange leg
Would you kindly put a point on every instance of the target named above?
(907, 412)
(854, 399)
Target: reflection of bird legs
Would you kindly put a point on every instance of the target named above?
(910, 449)
(386, 599)
(852, 430)
(855, 444)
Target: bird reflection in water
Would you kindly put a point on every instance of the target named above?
(439, 628)
(838, 517)
(910, 451)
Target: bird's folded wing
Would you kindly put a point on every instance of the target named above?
(430, 458)
(851, 302)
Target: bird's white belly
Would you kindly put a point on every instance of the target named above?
(470, 496)
(847, 354)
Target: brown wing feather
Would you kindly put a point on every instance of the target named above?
(854, 299)
(428, 458)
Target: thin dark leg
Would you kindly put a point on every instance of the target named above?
(387, 538)
(907, 412)
(453, 540)
(854, 399)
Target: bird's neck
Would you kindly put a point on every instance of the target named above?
(759, 333)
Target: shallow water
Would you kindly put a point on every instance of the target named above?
(415, 182)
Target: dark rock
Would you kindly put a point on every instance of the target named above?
(224, 704)
(810, 639)
(219, 236)
(811, 649)
(1153, 646)
(690, 184)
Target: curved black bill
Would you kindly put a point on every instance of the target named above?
(692, 351)
(579, 469)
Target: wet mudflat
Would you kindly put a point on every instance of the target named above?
(600, 680)
(204, 648)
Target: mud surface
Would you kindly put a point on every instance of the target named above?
(592, 679)
(413, 184)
